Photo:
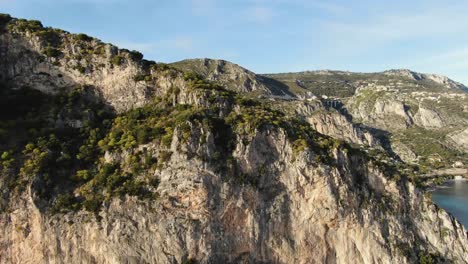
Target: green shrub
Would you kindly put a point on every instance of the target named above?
(28, 25)
(93, 203)
(117, 60)
(142, 77)
(164, 156)
(136, 55)
(5, 155)
(427, 259)
(83, 37)
(50, 36)
(52, 52)
(80, 68)
(99, 50)
(4, 19)
(139, 77)
(7, 159)
(64, 203)
(83, 175)
(160, 67)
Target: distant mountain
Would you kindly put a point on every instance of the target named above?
(233, 76)
(344, 84)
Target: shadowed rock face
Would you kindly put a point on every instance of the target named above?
(270, 203)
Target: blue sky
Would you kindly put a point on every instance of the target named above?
(274, 35)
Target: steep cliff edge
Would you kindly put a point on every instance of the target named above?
(107, 158)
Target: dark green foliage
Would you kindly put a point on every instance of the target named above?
(28, 25)
(80, 68)
(17, 103)
(64, 203)
(190, 261)
(4, 19)
(416, 255)
(99, 50)
(7, 159)
(147, 64)
(83, 37)
(154, 122)
(160, 67)
(429, 145)
(46, 150)
(115, 182)
(141, 77)
(117, 60)
(431, 258)
(50, 36)
(52, 52)
(247, 102)
(164, 156)
(136, 55)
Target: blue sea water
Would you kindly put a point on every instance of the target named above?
(453, 197)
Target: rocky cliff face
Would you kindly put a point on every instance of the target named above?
(331, 122)
(438, 117)
(184, 171)
(300, 211)
(460, 139)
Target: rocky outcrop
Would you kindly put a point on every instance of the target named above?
(380, 110)
(336, 125)
(428, 119)
(112, 72)
(404, 152)
(460, 139)
(439, 79)
(299, 211)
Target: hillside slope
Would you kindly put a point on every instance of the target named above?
(345, 84)
(234, 77)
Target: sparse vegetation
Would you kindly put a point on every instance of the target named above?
(136, 55)
(83, 37)
(117, 60)
(142, 77)
(27, 25)
(52, 52)
(4, 19)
